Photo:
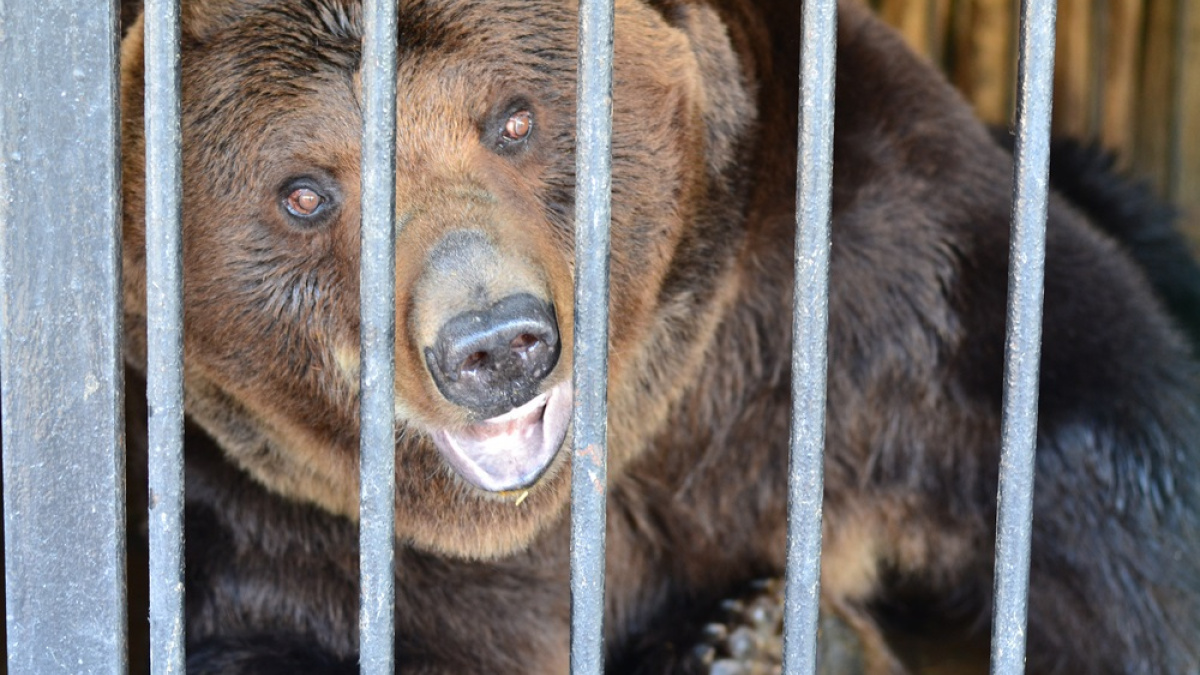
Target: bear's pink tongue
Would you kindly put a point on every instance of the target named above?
(512, 450)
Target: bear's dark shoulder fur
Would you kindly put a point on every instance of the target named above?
(702, 239)
(1127, 210)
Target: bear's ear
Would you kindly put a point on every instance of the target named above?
(728, 96)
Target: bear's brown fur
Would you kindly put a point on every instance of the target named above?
(703, 198)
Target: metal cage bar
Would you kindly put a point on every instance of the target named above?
(377, 293)
(1027, 256)
(810, 321)
(164, 334)
(589, 459)
(60, 345)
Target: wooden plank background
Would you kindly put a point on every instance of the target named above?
(1127, 73)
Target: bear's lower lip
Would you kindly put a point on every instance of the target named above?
(510, 451)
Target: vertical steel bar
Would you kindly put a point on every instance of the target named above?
(60, 338)
(1014, 520)
(814, 181)
(164, 334)
(589, 468)
(377, 291)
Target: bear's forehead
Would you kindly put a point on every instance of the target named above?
(457, 61)
(294, 38)
(282, 77)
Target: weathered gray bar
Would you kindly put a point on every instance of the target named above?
(1014, 521)
(589, 467)
(814, 181)
(60, 343)
(377, 292)
(164, 335)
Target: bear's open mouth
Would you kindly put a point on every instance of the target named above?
(510, 451)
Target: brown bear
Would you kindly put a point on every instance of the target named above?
(702, 230)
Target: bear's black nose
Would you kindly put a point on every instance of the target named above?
(492, 360)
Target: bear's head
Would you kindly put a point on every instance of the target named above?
(271, 119)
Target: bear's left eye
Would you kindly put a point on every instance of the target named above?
(518, 125)
(509, 129)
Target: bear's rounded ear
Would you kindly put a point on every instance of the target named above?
(727, 94)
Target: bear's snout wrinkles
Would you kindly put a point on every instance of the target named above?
(492, 360)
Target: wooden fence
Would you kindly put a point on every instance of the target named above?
(1127, 74)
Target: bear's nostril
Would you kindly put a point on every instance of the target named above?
(493, 360)
(524, 342)
(473, 362)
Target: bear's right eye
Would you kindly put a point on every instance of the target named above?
(304, 202)
(309, 201)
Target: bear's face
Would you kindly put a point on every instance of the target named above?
(272, 108)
